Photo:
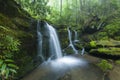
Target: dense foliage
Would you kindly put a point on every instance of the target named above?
(8, 47)
(37, 8)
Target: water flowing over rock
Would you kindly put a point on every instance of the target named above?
(48, 38)
(76, 36)
(39, 35)
(70, 42)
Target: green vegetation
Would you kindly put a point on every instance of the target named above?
(108, 43)
(117, 62)
(14, 36)
(105, 65)
(93, 44)
(97, 22)
(7, 68)
(109, 47)
(111, 51)
(36, 8)
(9, 46)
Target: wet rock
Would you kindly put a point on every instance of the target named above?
(67, 76)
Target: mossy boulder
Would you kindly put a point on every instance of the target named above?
(110, 50)
(104, 49)
(105, 43)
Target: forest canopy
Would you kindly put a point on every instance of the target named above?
(70, 12)
(86, 16)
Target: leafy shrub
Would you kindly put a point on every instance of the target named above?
(7, 68)
(113, 28)
(8, 47)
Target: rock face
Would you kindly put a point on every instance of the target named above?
(21, 26)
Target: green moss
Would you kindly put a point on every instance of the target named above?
(5, 21)
(93, 43)
(108, 43)
(110, 50)
(3, 29)
(21, 22)
(102, 36)
(105, 65)
(15, 23)
(117, 62)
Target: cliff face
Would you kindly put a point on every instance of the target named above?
(19, 24)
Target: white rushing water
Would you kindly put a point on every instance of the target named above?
(55, 49)
(39, 47)
(53, 42)
(70, 41)
(76, 36)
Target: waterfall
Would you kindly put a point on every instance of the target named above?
(39, 48)
(55, 49)
(76, 36)
(70, 41)
(47, 38)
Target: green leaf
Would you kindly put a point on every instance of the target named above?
(7, 73)
(13, 66)
(3, 67)
(1, 61)
(3, 71)
(9, 60)
(13, 70)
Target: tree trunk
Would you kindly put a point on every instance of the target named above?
(60, 7)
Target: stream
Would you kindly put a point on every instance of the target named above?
(75, 67)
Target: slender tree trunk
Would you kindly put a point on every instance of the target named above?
(60, 7)
(76, 12)
(80, 9)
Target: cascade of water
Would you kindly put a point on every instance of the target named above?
(76, 36)
(39, 35)
(70, 40)
(55, 49)
(53, 42)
